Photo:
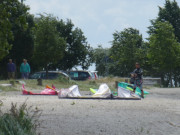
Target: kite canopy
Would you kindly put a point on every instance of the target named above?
(47, 91)
(73, 91)
(122, 92)
(128, 86)
(125, 90)
(103, 91)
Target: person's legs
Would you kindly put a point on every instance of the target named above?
(13, 75)
(134, 87)
(142, 92)
(26, 75)
(9, 75)
(23, 75)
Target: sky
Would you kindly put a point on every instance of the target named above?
(99, 19)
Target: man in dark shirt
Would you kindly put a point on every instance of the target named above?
(11, 68)
(138, 80)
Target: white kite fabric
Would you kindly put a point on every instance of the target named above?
(103, 91)
(73, 91)
(122, 92)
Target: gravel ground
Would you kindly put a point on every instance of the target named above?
(157, 114)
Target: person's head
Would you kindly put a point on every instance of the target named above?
(137, 65)
(24, 60)
(10, 60)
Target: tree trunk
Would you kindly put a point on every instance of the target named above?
(170, 79)
(175, 80)
(162, 81)
(46, 71)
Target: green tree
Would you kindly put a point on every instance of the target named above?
(102, 60)
(171, 13)
(164, 50)
(49, 46)
(78, 51)
(127, 48)
(87, 57)
(17, 32)
(5, 26)
(22, 28)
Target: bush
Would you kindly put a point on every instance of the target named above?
(66, 80)
(92, 82)
(20, 121)
(63, 79)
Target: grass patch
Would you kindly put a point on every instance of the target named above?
(9, 88)
(20, 120)
(73, 103)
(62, 82)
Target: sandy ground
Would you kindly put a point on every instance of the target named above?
(158, 114)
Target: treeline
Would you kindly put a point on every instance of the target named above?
(50, 43)
(45, 41)
(159, 54)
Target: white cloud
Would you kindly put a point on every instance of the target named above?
(98, 19)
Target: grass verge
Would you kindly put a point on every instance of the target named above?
(63, 83)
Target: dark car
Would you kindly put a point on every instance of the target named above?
(51, 75)
(80, 75)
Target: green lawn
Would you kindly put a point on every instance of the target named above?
(60, 83)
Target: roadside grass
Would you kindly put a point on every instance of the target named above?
(61, 83)
(9, 88)
(20, 120)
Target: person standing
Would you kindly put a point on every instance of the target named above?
(25, 69)
(11, 68)
(138, 79)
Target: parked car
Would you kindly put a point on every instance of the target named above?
(80, 75)
(51, 75)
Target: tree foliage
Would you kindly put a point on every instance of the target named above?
(77, 51)
(17, 32)
(171, 13)
(49, 46)
(164, 50)
(101, 57)
(5, 26)
(127, 48)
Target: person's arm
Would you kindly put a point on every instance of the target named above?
(140, 72)
(29, 69)
(15, 67)
(135, 73)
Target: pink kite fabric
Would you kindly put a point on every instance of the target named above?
(46, 91)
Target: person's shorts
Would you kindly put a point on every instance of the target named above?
(11, 75)
(139, 84)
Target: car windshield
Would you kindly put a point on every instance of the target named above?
(74, 74)
(83, 74)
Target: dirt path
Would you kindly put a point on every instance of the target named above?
(158, 114)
